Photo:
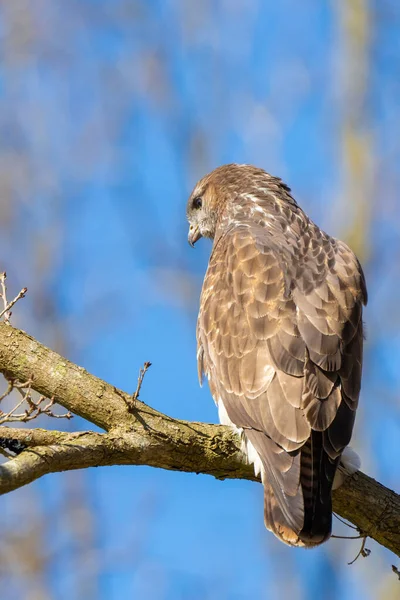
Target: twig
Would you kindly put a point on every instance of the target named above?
(348, 537)
(46, 410)
(6, 311)
(34, 409)
(11, 304)
(10, 387)
(345, 523)
(10, 417)
(135, 396)
(142, 373)
(362, 552)
(396, 570)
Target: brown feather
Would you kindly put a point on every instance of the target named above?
(280, 337)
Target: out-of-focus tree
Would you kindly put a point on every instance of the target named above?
(109, 111)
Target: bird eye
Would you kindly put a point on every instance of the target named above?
(197, 202)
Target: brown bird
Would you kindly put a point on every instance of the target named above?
(280, 339)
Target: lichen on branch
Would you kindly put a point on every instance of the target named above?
(136, 434)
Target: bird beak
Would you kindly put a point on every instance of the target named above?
(194, 235)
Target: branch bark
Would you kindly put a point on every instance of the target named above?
(148, 437)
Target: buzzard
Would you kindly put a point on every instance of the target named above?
(280, 339)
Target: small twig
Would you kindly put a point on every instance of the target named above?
(46, 410)
(362, 552)
(34, 408)
(6, 311)
(24, 389)
(396, 570)
(11, 416)
(20, 385)
(361, 535)
(135, 396)
(3, 277)
(344, 522)
(10, 387)
(142, 373)
(348, 537)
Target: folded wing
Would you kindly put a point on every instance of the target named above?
(280, 339)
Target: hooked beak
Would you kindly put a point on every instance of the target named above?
(194, 235)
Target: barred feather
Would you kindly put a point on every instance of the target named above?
(280, 338)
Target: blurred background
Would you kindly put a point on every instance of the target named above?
(109, 113)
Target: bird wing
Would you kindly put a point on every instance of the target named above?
(280, 340)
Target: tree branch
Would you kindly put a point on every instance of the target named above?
(147, 437)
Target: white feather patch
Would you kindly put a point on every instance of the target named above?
(247, 447)
(223, 416)
(350, 462)
(253, 457)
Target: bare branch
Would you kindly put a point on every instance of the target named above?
(8, 305)
(131, 403)
(396, 571)
(147, 438)
(55, 377)
(364, 552)
(142, 373)
(34, 409)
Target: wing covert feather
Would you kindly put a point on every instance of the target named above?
(280, 339)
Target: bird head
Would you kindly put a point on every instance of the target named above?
(210, 197)
(201, 210)
(231, 190)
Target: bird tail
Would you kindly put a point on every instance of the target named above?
(297, 490)
(316, 480)
(276, 521)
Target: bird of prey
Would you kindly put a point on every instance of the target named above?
(280, 339)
